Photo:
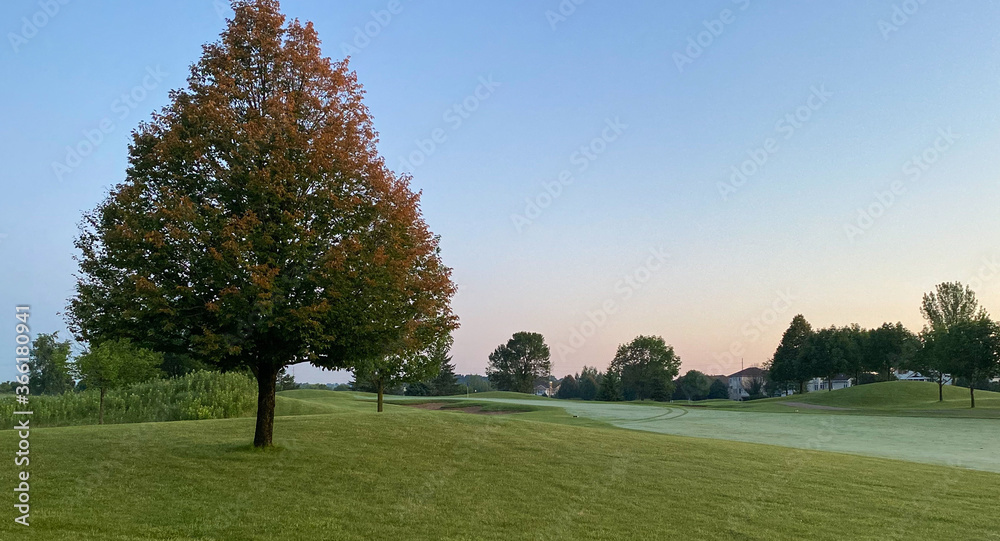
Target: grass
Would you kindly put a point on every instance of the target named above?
(346, 472)
(482, 406)
(893, 398)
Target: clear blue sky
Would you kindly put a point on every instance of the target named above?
(663, 133)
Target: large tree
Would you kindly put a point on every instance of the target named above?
(889, 347)
(50, 365)
(948, 304)
(647, 367)
(611, 387)
(832, 351)
(786, 366)
(516, 365)
(973, 350)
(931, 360)
(693, 385)
(257, 227)
(589, 383)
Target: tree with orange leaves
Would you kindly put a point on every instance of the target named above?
(257, 227)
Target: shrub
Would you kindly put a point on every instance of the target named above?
(199, 395)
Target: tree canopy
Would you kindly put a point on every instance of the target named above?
(114, 364)
(50, 365)
(647, 367)
(788, 365)
(948, 304)
(516, 365)
(257, 226)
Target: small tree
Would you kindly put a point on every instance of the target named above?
(446, 382)
(516, 365)
(755, 388)
(286, 381)
(393, 370)
(50, 365)
(718, 390)
(115, 364)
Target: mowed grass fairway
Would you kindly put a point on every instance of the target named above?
(342, 471)
(882, 420)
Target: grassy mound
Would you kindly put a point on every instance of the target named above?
(414, 474)
(897, 395)
(506, 394)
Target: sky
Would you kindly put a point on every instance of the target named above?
(700, 171)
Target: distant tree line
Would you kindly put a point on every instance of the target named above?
(643, 369)
(959, 340)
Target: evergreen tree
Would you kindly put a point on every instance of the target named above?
(787, 365)
(611, 387)
(568, 388)
(718, 390)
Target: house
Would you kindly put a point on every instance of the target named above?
(908, 375)
(549, 390)
(840, 381)
(740, 382)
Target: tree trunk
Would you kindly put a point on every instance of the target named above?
(380, 397)
(972, 394)
(802, 387)
(266, 386)
(100, 409)
(829, 383)
(940, 387)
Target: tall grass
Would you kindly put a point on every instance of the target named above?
(199, 395)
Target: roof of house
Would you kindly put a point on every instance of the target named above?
(752, 372)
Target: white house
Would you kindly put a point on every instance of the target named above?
(839, 381)
(907, 375)
(741, 381)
